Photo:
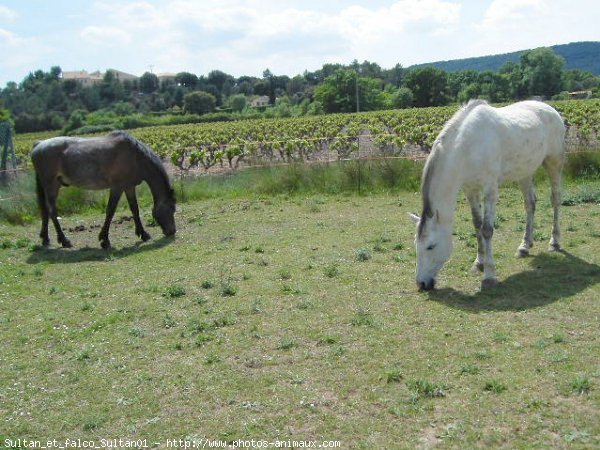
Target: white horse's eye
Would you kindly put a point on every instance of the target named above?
(431, 247)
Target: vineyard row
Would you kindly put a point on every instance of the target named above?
(304, 138)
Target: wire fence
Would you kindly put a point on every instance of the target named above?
(368, 150)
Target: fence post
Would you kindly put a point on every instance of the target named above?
(6, 145)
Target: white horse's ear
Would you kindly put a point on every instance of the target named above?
(414, 217)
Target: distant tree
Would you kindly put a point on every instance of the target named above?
(75, 121)
(394, 76)
(199, 102)
(296, 85)
(244, 87)
(33, 82)
(468, 92)
(148, 83)
(56, 98)
(70, 87)
(237, 102)
(218, 79)
(458, 80)
(269, 82)
(111, 90)
(542, 71)
(402, 98)
(578, 80)
(513, 74)
(186, 80)
(130, 86)
(429, 86)
(367, 69)
(54, 74)
(90, 97)
(261, 87)
(338, 92)
(178, 97)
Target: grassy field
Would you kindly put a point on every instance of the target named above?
(297, 317)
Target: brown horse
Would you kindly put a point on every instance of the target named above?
(118, 162)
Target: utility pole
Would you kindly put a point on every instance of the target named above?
(357, 99)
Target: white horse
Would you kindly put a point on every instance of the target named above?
(479, 148)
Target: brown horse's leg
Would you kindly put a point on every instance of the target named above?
(51, 195)
(41, 197)
(133, 205)
(113, 200)
(44, 231)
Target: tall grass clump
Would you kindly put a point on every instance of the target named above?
(583, 165)
(297, 178)
(18, 204)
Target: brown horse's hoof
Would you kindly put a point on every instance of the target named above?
(66, 243)
(45, 242)
(477, 267)
(488, 283)
(105, 244)
(145, 236)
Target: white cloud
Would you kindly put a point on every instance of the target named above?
(510, 13)
(7, 14)
(252, 33)
(109, 36)
(511, 25)
(24, 52)
(8, 38)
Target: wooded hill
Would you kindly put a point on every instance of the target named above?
(578, 55)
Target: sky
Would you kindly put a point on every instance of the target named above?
(245, 37)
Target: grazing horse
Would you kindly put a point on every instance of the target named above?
(478, 149)
(118, 162)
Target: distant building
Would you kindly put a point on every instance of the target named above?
(166, 77)
(580, 94)
(89, 79)
(82, 77)
(123, 76)
(260, 101)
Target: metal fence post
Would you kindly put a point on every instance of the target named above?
(6, 145)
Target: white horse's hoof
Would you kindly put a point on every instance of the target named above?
(554, 248)
(522, 252)
(489, 283)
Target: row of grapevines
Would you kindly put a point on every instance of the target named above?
(304, 138)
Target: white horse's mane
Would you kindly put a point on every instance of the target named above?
(458, 117)
(447, 133)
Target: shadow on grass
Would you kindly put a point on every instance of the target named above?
(67, 256)
(552, 276)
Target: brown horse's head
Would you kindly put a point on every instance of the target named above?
(164, 213)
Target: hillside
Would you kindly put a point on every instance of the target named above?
(578, 55)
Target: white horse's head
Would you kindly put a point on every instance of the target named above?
(433, 242)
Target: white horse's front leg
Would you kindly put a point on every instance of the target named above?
(529, 196)
(474, 198)
(487, 232)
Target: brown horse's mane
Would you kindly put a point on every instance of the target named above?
(153, 160)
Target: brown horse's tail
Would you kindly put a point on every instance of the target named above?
(41, 195)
